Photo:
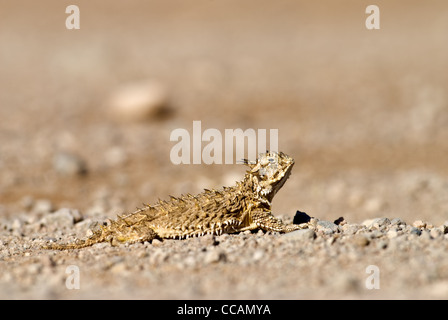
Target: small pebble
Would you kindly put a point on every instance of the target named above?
(435, 233)
(299, 235)
(139, 101)
(27, 202)
(368, 223)
(340, 221)
(350, 229)
(380, 222)
(214, 256)
(69, 164)
(397, 221)
(415, 230)
(258, 254)
(327, 227)
(360, 240)
(301, 217)
(16, 224)
(62, 218)
(425, 235)
(392, 234)
(444, 228)
(156, 242)
(419, 224)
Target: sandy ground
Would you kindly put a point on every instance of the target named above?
(363, 112)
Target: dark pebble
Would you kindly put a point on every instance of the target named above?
(301, 217)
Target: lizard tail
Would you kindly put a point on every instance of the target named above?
(79, 244)
(98, 236)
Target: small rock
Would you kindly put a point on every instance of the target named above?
(86, 226)
(375, 234)
(27, 202)
(435, 233)
(367, 223)
(397, 221)
(425, 235)
(301, 217)
(69, 164)
(214, 256)
(299, 235)
(327, 227)
(119, 267)
(156, 242)
(419, 224)
(360, 240)
(63, 218)
(139, 101)
(16, 224)
(258, 255)
(392, 234)
(350, 229)
(380, 222)
(189, 261)
(340, 221)
(415, 230)
(77, 216)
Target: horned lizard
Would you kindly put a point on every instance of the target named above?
(245, 206)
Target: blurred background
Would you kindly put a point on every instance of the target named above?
(86, 115)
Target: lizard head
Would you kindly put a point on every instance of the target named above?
(269, 173)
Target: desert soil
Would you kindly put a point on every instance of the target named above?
(86, 117)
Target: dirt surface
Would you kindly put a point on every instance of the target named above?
(86, 117)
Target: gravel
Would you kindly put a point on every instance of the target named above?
(329, 261)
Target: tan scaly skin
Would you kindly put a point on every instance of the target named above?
(245, 206)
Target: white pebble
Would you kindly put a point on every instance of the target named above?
(138, 101)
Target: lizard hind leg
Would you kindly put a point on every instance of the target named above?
(133, 234)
